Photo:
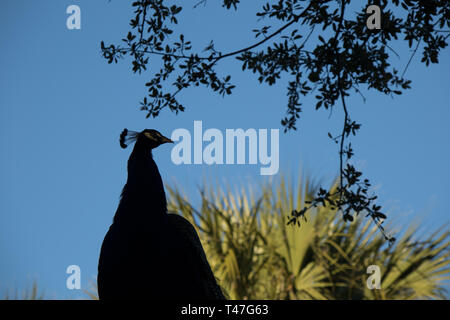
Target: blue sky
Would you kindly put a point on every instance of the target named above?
(62, 108)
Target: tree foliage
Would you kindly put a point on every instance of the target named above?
(345, 57)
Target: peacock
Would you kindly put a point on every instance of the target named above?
(147, 252)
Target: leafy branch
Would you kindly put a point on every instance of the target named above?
(350, 58)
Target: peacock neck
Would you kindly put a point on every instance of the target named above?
(143, 199)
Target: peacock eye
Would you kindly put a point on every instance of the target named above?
(149, 135)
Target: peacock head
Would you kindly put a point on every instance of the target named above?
(149, 138)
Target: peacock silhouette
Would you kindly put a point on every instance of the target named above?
(147, 252)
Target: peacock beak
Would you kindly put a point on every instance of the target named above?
(165, 140)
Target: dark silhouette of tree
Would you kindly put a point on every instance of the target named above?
(346, 57)
(148, 253)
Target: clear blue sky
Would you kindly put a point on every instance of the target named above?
(62, 108)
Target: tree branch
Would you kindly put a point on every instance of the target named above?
(287, 25)
(341, 146)
(412, 56)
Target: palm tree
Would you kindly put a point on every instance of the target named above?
(256, 255)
